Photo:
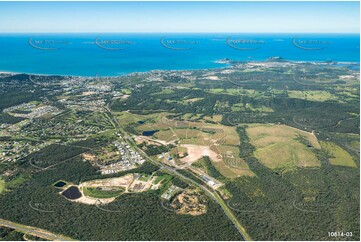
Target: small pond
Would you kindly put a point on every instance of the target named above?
(149, 132)
(60, 184)
(72, 193)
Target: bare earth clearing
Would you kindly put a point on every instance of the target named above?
(195, 152)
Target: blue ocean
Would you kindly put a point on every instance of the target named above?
(121, 54)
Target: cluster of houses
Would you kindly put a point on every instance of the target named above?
(129, 159)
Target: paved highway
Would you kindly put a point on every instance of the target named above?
(34, 231)
(213, 195)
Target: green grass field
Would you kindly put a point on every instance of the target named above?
(279, 146)
(17, 181)
(163, 179)
(144, 177)
(320, 96)
(94, 192)
(339, 156)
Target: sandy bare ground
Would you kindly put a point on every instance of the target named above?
(213, 78)
(190, 203)
(8, 72)
(346, 77)
(159, 141)
(128, 182)
(88, 156)
(228, 71)
(88, 93)
(195, 152)
(123, 181)
(141, 139)
(92, 201)
(125, 96)
(89, 200)
(142, 186)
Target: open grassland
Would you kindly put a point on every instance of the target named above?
(199, 139)
(214, 118)
(232, 162)
(165, 135)
(191, 116)
(339, 156)
(101, 193)
(195, 139)
(126, 118)
(227, 170)
(319, 96)
(160, 122)
(265, 134)
(283, 146)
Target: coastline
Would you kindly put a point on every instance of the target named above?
(225, 61)
(9, 72)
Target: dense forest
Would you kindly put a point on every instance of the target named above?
(305, 203)
(141, 216)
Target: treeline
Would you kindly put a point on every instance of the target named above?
(211, 170)
(245, 147)
(9, 119)
(151, 149)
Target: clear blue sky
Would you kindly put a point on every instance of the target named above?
(257, 17)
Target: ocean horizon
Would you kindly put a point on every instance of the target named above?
(114, 54)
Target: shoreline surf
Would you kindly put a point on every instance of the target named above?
(228, 66)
